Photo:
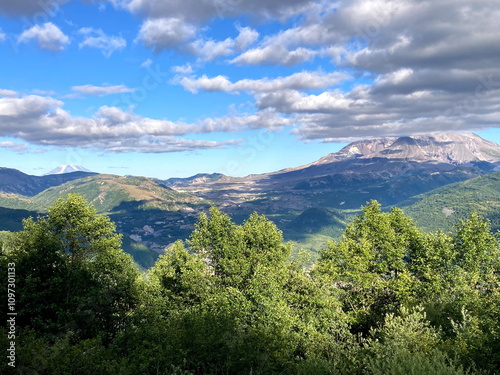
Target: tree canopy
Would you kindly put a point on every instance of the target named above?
(385, 298)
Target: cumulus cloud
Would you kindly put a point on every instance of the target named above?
(165, 33)
(421, 65)
(297, 81)
(8, 93)
(438, 35)
(209, 50)
(427, 66)
(171, 23)
(48, 37)
(96, 38)
(369, 111)
(28, 107)
(42, 121)
(183, 69)
(101, 90)
(275, 55)
(246, 37)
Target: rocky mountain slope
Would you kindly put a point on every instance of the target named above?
(457, 149)
(387, 169)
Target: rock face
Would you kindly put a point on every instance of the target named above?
(457, 149)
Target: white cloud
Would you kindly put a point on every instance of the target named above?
(246, 37)
(43, 92)
(171, 23)
(3, 36)
(430, 65)
(48, 36)
(275, 55)
(8, 93)
(20, 148)
(209, 50)
(219, 83)
(42, 121)
(165, 33)
(146, 63)
(96, 38)
(101, 90)
(297, 81)
(183, 69)
(292, 101)
(31, 106)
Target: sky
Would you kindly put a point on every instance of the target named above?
(171, 88)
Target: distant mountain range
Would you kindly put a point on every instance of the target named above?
(438, 179)
(17, 182)
(390, 170)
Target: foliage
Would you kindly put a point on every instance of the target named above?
(72, 275)
(369, 265)
(384, 299)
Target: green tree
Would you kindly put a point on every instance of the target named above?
(369, 264)
(72, 276)
(407, 344)
(233, 303)
(233, 251)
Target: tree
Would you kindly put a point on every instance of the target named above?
(233, 303)
(369, 264)
(72, 276)
(233, 251)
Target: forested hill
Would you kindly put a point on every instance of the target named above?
(444, 207)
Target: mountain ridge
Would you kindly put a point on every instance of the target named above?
(17, 182)
(454, 148)
(387, 169)
(308, 202)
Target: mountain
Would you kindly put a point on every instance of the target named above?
(17, 182)
(390, 170)
(199, 178)
(144, 210)
(442, 208)
(109, 193)
(149, 215)
(457, 149)
(18, 202)
(310, 203)
(67, 168)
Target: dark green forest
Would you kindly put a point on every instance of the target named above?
(386, 298)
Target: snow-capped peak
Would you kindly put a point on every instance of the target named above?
(67, 168)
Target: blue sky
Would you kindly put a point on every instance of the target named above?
(170, 89)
